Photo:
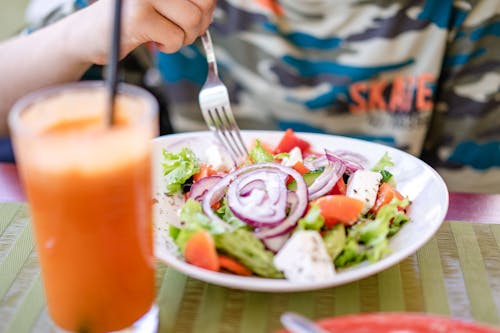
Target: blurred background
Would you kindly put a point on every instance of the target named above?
(12, 17)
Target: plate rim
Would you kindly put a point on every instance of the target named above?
(282, 285)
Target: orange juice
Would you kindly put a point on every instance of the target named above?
(89, 190)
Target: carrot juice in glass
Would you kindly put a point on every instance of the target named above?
(89, 191)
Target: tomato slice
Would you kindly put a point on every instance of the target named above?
(205, 171)
(386, 193)
(301, 168)
(200, 251)
(339, 209)
(233, 266)
(339, 188)
(289, 141)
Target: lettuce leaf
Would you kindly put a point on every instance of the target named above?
(335, 240)
(369, 238)
(242, 245)
(227, 215)
(313, 220)
(385, 162)
(178, 168)
(193, 219)
(353, 253)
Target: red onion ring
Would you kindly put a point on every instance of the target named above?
(351, 166)
(316, 163)
(201, 187)
(297, 202)
(216, 193)
(284, 230)
(327, 180)
(274, 244)
(258, 197)
(352, 156)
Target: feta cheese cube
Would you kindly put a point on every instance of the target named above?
(295, 155)
(304, 258)
(218, 159)
(363, 185)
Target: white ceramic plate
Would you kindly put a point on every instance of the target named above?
(415, 179)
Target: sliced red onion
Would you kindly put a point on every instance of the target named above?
(251, 186)
(351, 166)
(258, 197)
(352, 156)
(274, 244)
(326, 180)
(297, 203)
(316, 163)
(292, 200)
(292, 203)
(201, 187)
(214, 195)
(218, 190)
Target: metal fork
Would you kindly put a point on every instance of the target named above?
(216, 109)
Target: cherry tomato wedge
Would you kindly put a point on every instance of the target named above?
(386, 193)
(339, 209)
(289, 141)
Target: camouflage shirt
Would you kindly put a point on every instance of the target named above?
(423, 76)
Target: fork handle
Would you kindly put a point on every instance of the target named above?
(209, 50)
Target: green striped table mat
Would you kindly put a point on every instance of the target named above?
(457, 273)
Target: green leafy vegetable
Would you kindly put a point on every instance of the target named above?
(313, 220)
(378, 250)
(353, 253)
(369, 238)
(193, 219)
(178, 168)
(173, 231)
(387, 177)
(309, 178)
(259, 154)
(397, 216)
(385, 162)
(227, 215)
(242, 245)
(281, 156)
(334, 240)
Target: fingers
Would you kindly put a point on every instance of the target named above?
(188, 15)
(169, 23)
(207, 7)
(168, 36)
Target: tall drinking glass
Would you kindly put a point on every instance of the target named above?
(88, 186)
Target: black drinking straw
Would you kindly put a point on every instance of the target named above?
(113, 59)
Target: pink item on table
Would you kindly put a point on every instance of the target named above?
(10, 185)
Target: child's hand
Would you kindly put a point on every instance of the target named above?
(170, 24)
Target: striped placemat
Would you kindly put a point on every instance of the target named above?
(457, 273)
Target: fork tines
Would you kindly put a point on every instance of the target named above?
(227, 131)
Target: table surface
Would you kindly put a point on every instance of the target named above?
(456, 274)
